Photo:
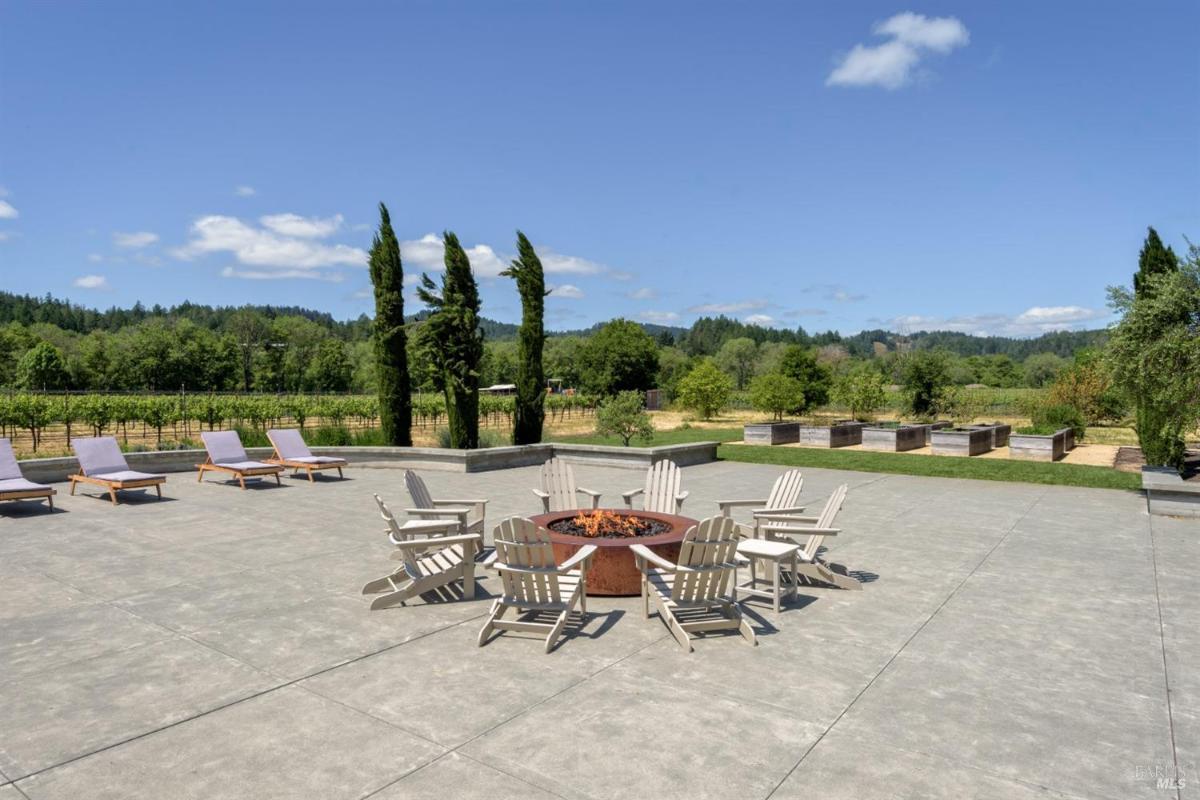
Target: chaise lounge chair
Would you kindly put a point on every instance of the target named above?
(293, 453)
(13, 485)
(102, 463)
(226, 454)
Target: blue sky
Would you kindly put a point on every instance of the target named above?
(976, 167)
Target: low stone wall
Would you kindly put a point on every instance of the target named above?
(970, 442)
(842, 434)
(895, 440)
(771, 433)
(1029, 447)
(52, 470)
(1169, 495)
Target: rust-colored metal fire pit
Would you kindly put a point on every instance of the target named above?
(613, 570)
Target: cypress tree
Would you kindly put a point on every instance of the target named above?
(1154, 259)
(391, 351)
(530, 407)
(456, 341)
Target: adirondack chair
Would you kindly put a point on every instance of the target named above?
(431, 558)
(534, 585)
(469, 513)
(693, 594)
(559, 491)
(784, 495)
(809, 533)
(661, 492)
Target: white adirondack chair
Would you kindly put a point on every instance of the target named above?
(534, 585)
(693, 595)
(469, 513)
(784, 495)
(809, 532)
(558, 491)
(661, 492)
(431, 558)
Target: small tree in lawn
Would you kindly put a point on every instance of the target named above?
(925, 374)
(801, 363)
(776, 394)
(624, 415)
(738, 358)
(860, 389)
(705, 389)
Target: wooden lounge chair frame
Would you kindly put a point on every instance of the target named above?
(791, 527)
(558, 491)
(114, 486)
(534, 584)
(241, 473)
(307, 466)
(693, 595)
(33, 492)
(661, 492)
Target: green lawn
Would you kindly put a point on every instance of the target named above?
(988, 469)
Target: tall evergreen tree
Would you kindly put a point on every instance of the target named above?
(456, 341)
(391, 352)
(529, 411)
(1154, 259)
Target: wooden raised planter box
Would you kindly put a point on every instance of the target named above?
(895, 440)
(840, 434)
(962, 441)
(1169, 495)
(771, 433)
(1034, 447)
(1000, 432)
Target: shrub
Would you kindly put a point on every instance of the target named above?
(776, 394)
(1087, 385)
(330, 436)
(924, 376)
(1057, 417)
(624, 415)
(815, 378)
(705, 389)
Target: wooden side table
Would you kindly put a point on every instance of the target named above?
(777, 554)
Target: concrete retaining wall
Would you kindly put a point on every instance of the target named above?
(52, 470)
(1168, 495)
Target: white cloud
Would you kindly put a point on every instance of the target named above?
(759, 319)
(91, 282)
(660, 317)
(805, 312)
(7, 211)
(134, 240)
(302, 227)
(95, 258)
(644, 293)
(4, 236)
(728, 308)
(290, 256)
(620, 275)
(280, 274)
(428, 255)
(1031, 322)
(244, 191)
(554, 262)
(890, 64)
(567, 290)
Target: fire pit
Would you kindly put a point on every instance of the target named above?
(612, 531)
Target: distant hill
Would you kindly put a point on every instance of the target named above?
(704, 337)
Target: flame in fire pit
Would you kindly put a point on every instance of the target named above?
(606, 523)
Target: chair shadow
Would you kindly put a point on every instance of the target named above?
(28, 508)
(129, 497)
(317, 478)
(257, 484)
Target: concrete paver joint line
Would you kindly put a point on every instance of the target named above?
(1166, 671)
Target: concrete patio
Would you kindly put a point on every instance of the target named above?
(1011, 641)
